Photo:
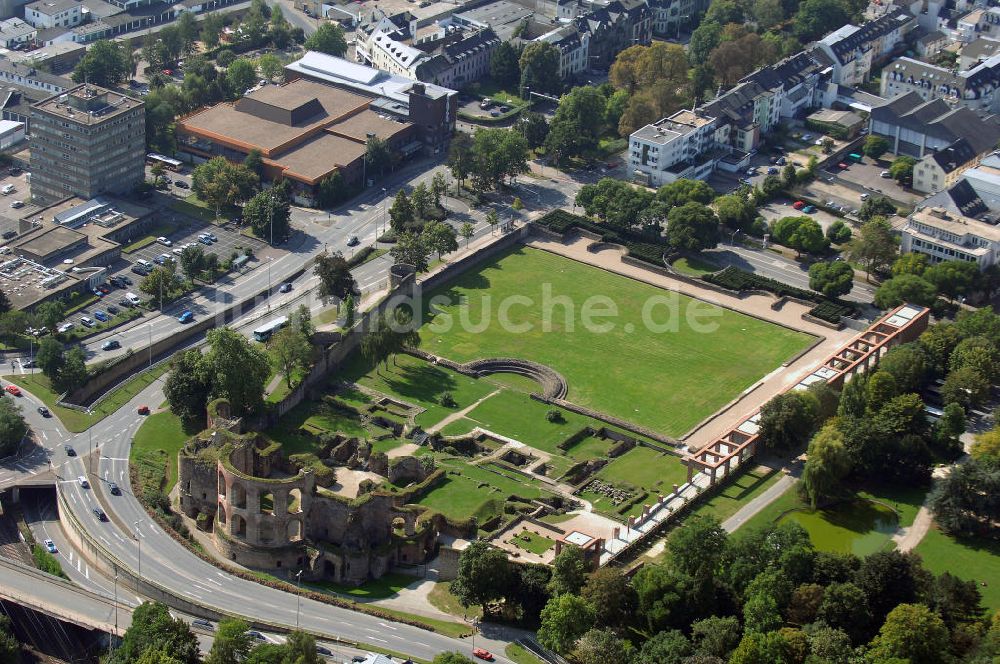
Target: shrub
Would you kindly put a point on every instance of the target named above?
(554, 416)
(46, 562)
(448, 400)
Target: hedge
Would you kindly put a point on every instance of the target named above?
(828, 309)
(638, 245)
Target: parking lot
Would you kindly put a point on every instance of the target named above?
(188, 231)
(868, 175)
(782, 207)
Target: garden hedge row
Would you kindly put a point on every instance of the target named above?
(639, 247)
(733, 278)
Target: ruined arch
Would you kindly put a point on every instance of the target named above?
(295, 501)
(293, 532)
(222, 512)
(238, 526)
(266, 503)
(239, 496)
(222, 484)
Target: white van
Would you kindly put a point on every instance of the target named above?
(133, 298)
(7, 189)
(146, 265)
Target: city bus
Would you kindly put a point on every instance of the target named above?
(170, 164)
(264, 332)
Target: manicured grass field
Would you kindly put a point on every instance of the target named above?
(646, 468)
(440, 598)
(386, 585)
(531, 542)
(520, 655)
(156, 445)
(978, 560)
(473, 491)
(312, 414)
(741, 491)
(694, 267)
(668, 380)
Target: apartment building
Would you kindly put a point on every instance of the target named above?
(54, 13)
(675, 147)
(853, 49)
(958, 223)
(942, 169)
(87, 141)
(667, 17)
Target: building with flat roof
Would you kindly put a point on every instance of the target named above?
(14, 32)
(54, 13)
(85, 142)
(305, 132)
(432, 109)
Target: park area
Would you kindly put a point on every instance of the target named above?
(695, 371)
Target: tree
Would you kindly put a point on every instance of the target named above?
(966, 387)
(211, 29)
(421, 200)
(845, 607)
(761, 614)
(611, 594)
(467, 230)
(979, 353)
(504, 66)
(333, 190)
(378, 156)
(238, 371)
(497, 154)
(953, 278)
(987, 445)
(291, 352)
(268, 214)
(401, 213)
(270, 66)
(484, 573)
(757, 647)
(460, 157)
(440, 237)
(153, 628)
(907, 363)
(539, 68)
(582, 108)
(192, 261)
(966, 501)
(910, 264)
(876, 206)
(13, 428)
(832, 279)
(219, 183)
(901, 169)
(241, 75)
(162, 283)
(74, 371)
(301, 649)
(187, 387)
(803, 234)
(787, 420)
(439, 187)
(328, 38)
(696, 547)
(734, 59)
(905, 288)
(231, 644)
(716, 636)
(599, 646)
(683, 191)
(875, 146)
(661, 598)
(50, 312)
(838, 232)
(827, 463)
(564, 619)
(569, 572)
(913, 633)
(50, 358)
(411, 249)
(874, 247)
(735, 211)
(692, 227)
(335, 278)
(106, 64)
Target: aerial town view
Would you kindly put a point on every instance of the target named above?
(516, 331)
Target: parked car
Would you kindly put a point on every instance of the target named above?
(772, 171)
(104, 288)
(798, 205)
(125, 303)
(86, 321)
(353, 241)
(204, 624)
(17, 204)
(50, 546)
(44, 412)
(13, 389)
(181, 184)
(82, 481)
(113, 488)
(110, 344)
(865, 197)
(101, 316)
(212, 236)
(842, 166)
(9, 234)
(177, 251)
(204, 239)
(885, 174)
(255, 635)
(113, 310)
(285, 288)
(164, 241)
(185, 317)
(65, 327)
(26, 362)
(323, 650)
(809, 209)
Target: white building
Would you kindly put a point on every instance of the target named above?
(11, 133)
(54, 13)
(854, 49)
(673, 148)
(573, 46)
(14, 31)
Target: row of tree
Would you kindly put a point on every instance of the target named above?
(915, 280)
(489, 158)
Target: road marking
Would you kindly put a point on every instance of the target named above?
(45, 436)
(379, 640)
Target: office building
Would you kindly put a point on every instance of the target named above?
(87, 141)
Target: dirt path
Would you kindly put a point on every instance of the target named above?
(459, 414)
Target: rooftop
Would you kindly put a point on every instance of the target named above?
(320, 156)
(362, 79)
(52, 7)
(87, 104)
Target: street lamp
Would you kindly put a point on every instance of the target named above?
(150, 347)
(298, 597)
(139, 543)
(116, 609)
(90, 436)
(384, 193)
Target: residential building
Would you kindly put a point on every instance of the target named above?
(14, 32)
(930, 44)
(573, 46)
(25, 75)
(431, 109)
(11, 133)
(504, 17)
(305, 131)
(853, 50)
(87, 141)
(916, 127)
(973, 88)
(54, 13)
(614, 27)
(16, 101)
(55, 58)
(942, 169)
(673, 148)
(977, 51)
(669, 16)
(959, 223)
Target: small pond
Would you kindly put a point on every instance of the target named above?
(855, 526)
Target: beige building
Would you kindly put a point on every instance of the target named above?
(942, 169)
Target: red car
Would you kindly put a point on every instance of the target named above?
(482, 653)
(13, 389)
(842, 166)
(144, 410)
(798, 205)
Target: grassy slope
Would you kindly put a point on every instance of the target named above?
(695, 373)
(161, 437)
(978, 560)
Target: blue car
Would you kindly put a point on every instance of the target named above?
(185, 317)
(101, 316)
(809, 209)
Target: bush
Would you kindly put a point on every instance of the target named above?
(46, 562)
(448, 401)
(733, 278)
(554, 416)
(202, 521)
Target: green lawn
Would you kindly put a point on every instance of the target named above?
(75, 420)
(520, 655)
(694, 372)
(741, 491)
(646, 468)
(156, 444)
(978, 560)
(532, 542)
(474, 491)
(314, 416)
(693, 266)
(385, 586)
(440, 598)
(164, 228)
